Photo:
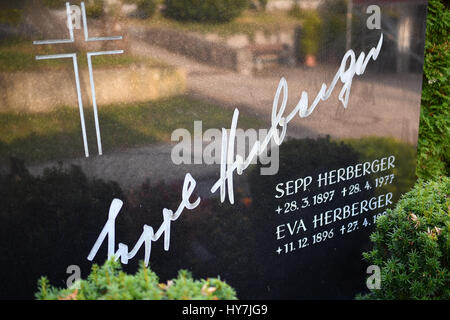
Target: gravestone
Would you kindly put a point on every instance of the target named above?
(271, 180)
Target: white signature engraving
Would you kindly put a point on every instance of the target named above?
(239, 164)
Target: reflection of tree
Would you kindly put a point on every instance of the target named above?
(50, 222)
(375, 148)
(47, 223)
(341, 28)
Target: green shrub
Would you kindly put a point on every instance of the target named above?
(311, 32)
(411, 245)
(333, 14)
(309, 39)
(146, 8)
(206, 11)
(108, 282)
(94, 8)
(434, 137)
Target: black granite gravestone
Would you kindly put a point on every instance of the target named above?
(263, 155)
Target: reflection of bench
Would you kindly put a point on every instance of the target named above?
(269, 55)
(264, 55)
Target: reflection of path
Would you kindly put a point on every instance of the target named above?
(378, 105)
(130, 168)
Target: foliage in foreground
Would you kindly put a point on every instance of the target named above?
(411, 245)
(109, 282)
(434, 137)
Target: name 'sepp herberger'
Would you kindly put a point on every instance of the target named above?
(334, 176)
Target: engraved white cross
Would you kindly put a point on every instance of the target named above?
(75, 68)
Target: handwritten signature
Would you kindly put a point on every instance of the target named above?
(231, 162)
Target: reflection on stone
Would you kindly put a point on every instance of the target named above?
(269, 244)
